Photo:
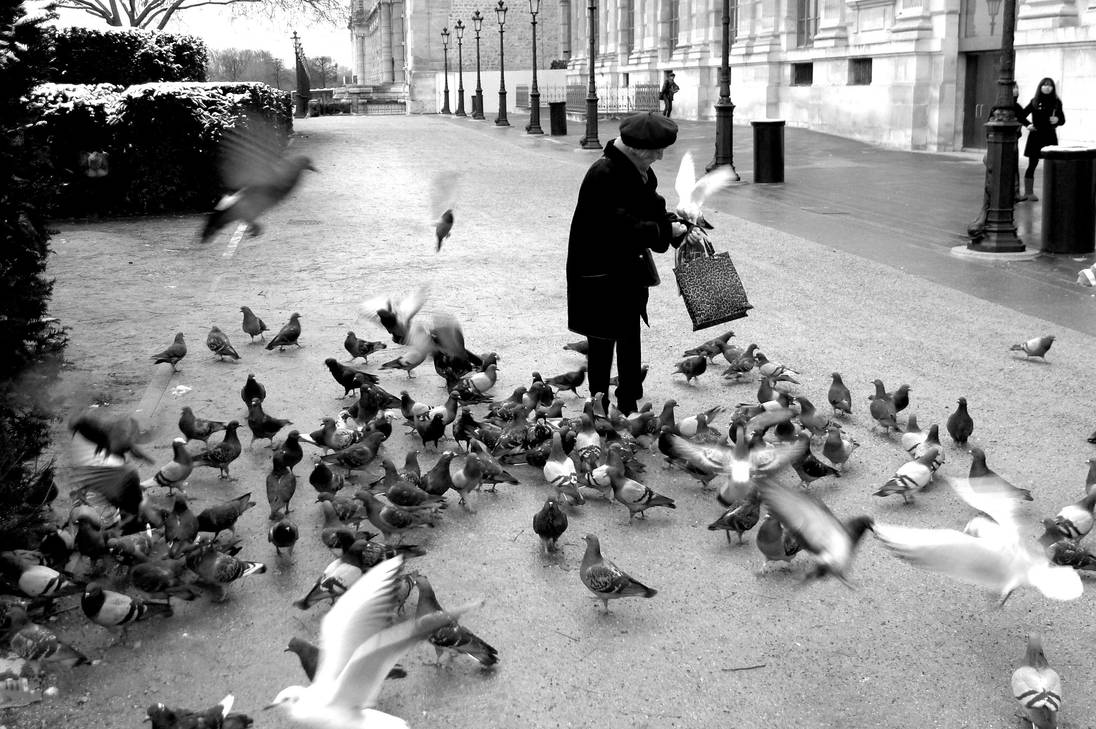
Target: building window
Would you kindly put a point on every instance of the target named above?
(625, 81)
(733, 29)
(806, 22)
(802, 74)
(628, 25)
(675, 24)
(859, 71)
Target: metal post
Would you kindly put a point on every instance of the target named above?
(477, 100)
(501, 120)
(590, 141)
(534, 93)
(460, 68)
(445, 55)
(1002, 130)
(724, 109)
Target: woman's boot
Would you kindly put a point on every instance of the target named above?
(1029, 191)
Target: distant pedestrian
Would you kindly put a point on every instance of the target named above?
(1046, 114)
(619, 219)
(669, 88)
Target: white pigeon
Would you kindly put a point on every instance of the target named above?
(357, 650)
(691, 195)
(996, 558)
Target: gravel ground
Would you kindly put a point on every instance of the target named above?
(718, 644)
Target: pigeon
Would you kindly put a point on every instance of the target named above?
(257, 174)
(263, 426)
(582, 346)
(173, 354)
(739, 518)
(111, 609)
(837, 447)
(216, 717)
(358, 648)
(742, 364)
(984, 480)
(288, 334)
(691, 367)
(1072, 522)
(217, 570)
(392, 519)
(549, 524)
(350, 378)
(223, 454)
(359, 455)
(912, 435)
(180, 524)
(163, 578)
(309, 656)
(900, 398)
(710, 348)
(419, 347)
(361, 348)
(1037, 686)
(839, 396)
(174, 473)
(281, 484)
(568, 380)
(111, 435)
(636, 496)
(432, 430)
(468, 479)
(1068, 553)
(810, 418)
(36, 643)
(959, 423)
(691, 195)
(395, 315)
(252, 389)
(932, 440)
(882, 408)
(998, 559)
(910, 477)
(217, 342)
(452, 637)
(443, 228)
(605, 579)
(816, 528)
(222, 516)
(1035, 347)
(252, 325)
(195, 428)
(775, 542)
(807, 466)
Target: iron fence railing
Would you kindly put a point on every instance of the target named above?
(611, 100)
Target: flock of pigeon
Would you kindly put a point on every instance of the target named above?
(131, 545)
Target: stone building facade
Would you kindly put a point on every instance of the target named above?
(909, 74)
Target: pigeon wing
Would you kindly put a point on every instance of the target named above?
(362, 612)
(806, 517)
(251, 154)
(710, 184)
(684, 184)
(980, 494)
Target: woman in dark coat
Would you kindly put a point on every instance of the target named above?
(619, 219)
(1046, 115)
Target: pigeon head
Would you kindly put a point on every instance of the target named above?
(287, 697)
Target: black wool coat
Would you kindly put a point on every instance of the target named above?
(1043, 133)
(617, 218)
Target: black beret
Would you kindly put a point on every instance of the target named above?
(649, 130)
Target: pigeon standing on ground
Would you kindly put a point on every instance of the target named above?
(361, 348)
(882, 408)
(549, 524)
(691, 367)
(253, 326)
(173, 475)
(222, 454)
(175, 352)
(252, 389)
(1037, 686)
(839, 396)
(1035, 347)
(605, 579)
(258, 175)
(288, 334)
(217, 342)
(262, 425)
(453, 636)
(960, 424)
(443, 228)
(195, 428)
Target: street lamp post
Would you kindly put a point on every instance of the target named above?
(724, 109)
(501, 120)
(477, 100)
(534, 93)
(590, 141)
(998, 232)
(459, 27)
(445, 55)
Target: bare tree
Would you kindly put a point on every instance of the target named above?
(157, 13)
(323, 65)
(233, 64)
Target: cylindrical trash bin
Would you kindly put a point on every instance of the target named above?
(557, 111)
(1069, 199)
(768, 138)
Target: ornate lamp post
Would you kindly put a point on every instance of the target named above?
(501, 121)
(534, 93)
(590, 141)
(724, 109)
(998, 232)
(459, 27)
(477, 100)
(445, 55)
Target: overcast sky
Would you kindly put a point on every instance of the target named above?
(219, 28)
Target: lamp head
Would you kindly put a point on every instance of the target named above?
(500, 11)
(534, 6)
(477, 20)
(459, 27)
(445, 37)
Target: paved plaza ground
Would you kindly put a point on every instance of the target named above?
(848, 267)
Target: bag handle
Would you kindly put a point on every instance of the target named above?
(709, 249)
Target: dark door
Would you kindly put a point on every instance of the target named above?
(981, 92)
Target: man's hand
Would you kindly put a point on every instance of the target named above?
(678, 230)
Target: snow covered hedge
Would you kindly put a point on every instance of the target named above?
(144, 149)
(126, 56)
